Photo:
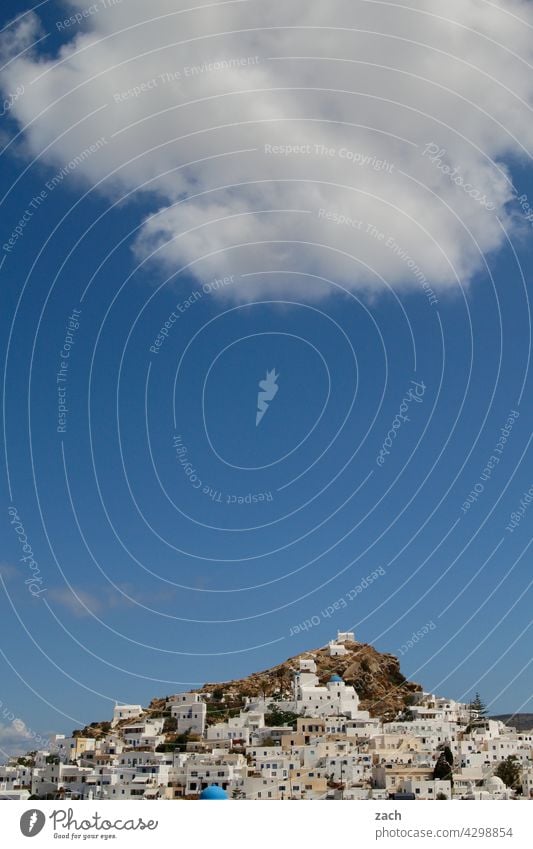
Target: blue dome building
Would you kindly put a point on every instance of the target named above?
(335, 679)
(213, 792)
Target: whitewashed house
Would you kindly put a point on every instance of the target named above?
(121, 712)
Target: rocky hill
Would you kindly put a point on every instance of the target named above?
(376, 676)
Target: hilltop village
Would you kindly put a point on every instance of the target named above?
(339, 722)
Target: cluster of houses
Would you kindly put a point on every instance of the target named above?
(332, 750)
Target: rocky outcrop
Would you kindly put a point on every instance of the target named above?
(376, 676)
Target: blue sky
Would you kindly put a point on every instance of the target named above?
(154, 580)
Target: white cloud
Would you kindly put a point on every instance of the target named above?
(384, 81)
(16, 738)
(80, 602)
(7, 571)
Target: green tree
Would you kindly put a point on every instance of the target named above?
(406, 715)
(170, 725)
(443, 770)
(509, 771)
(448, 754)
(478, 710)
(276, 717)
(178, 743)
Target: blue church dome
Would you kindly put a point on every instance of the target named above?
(336, 679)
(213, 792)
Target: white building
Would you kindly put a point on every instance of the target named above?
(238, 729)
(335, 698)
(337, 647)
(424, 788)
(121, 712)
(345, 637)
(145, 733)
(191, 717)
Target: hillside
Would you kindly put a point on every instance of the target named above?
(520, 721)
(376, 676)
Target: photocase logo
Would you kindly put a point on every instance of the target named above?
(268, 389)
(32, 822)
